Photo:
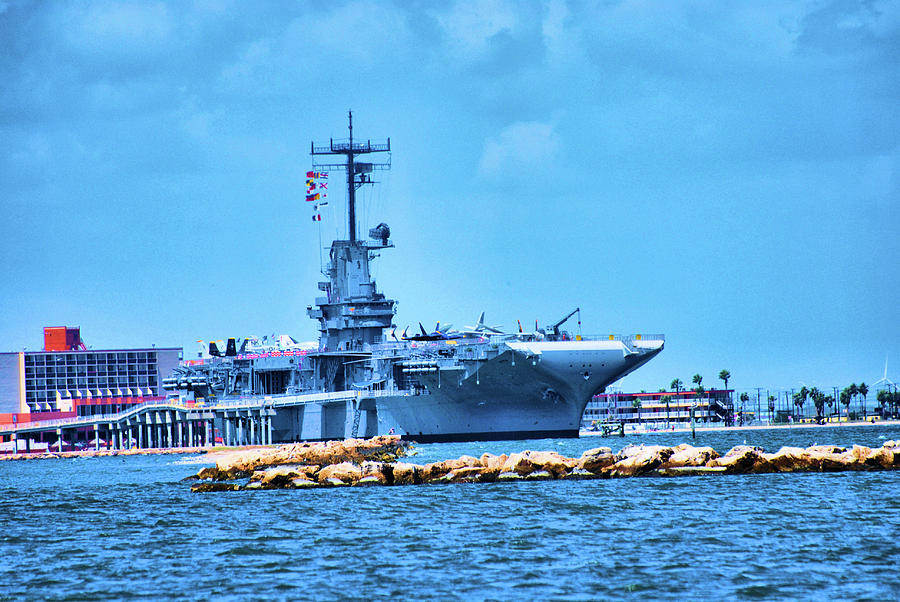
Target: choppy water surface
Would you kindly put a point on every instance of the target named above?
(127, 528)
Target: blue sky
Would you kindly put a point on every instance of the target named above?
(725, 173)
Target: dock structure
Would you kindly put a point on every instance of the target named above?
(174, 423)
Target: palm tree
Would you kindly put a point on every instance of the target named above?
(667, 398)
(697, 379)
(636, 404)
(846, 398)
(854, 391)
(830, 401)
(677, 385)
(744, 399)
(864, 390)
(799, 400)
(882, 398)
(818, 399)
(725, 375)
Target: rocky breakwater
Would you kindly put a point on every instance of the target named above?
(375, 462)
(300, 465)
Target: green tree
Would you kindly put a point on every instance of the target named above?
(818, 399)
(882, 399)
(724, 375)
(677, 385)
(854, 391)
(893, 400)
(829, 400)
(636, 404)
(698, 390)
(846, 397)
(864, 390)
(799, 399)
(744, 399)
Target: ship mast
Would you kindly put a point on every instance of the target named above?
(358, 173)
(353, 315)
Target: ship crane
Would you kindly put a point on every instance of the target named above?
(554, 328)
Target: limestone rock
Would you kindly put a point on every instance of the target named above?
(335, 482)
(527, 462)
(345, 472)
(578, 474)
(595, 460)
(539, 475)
(303, 482)
(743, 459)
(207, 486)
(830, 459)
(633, 460)
(789, 459)
(884, 457)
(688, 455)
(826, 449)
(436, 470)
(238, 464)
(683, 471)
(370, 480)
(281, 476)
(379, 471)
(491, 462)
(554, 463)
(637, 460)
(465, 474)
(517, 463)
(406, 474)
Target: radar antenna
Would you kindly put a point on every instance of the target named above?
(358, 173)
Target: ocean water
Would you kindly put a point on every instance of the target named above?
(128, 528)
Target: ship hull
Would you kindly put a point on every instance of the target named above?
(492, 436)
(533, 390)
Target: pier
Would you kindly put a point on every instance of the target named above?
(174, 423)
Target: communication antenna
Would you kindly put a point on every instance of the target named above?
(358, 172)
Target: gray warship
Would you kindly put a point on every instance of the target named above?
(363, 378)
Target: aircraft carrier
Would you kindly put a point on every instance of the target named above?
(363, 377)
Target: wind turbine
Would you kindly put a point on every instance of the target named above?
(884, 380)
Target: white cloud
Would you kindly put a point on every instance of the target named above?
(554, 22)
(469, 26)
(519, 145)
(251, 67)
(321, 46)
(117, 26)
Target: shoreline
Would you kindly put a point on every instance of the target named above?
(754, 427)
(219, 449)
(102, 453)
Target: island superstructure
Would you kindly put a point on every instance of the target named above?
(364, 378)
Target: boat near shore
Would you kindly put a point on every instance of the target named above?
(363, 377)
(447, 385)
